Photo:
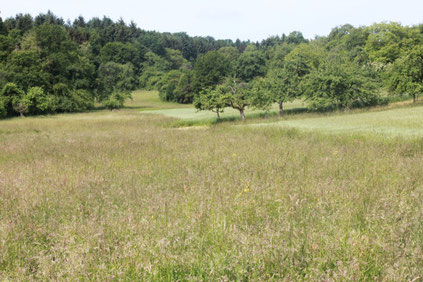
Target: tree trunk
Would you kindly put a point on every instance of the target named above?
(281, 113)
(242, 114)
(218, 115)
(22, 115)
(414, 98)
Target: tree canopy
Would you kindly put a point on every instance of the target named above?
(48, 65)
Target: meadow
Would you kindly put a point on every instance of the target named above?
(385, 122)
(126, 195)
(189, 115)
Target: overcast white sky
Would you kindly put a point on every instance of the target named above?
(244, 19)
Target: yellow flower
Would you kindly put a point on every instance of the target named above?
(246, 190)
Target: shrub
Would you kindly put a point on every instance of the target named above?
(41, 102)
(3, 112)
(115, 101)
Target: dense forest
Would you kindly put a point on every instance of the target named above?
(48, 65)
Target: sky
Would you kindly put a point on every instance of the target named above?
(231, 19)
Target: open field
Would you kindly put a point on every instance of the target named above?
(401, 121)
(149, 101)
(229, 113)
(120, 195)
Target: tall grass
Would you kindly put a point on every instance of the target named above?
(117, 195)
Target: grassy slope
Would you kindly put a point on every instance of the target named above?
(404, 121)
(115, 195)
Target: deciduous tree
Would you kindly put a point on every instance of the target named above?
(407, 74)
(214, 100)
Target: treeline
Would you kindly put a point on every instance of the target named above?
(351, 67)
(48, 65)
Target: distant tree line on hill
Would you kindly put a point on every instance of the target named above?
(48, 65)
(351, 67)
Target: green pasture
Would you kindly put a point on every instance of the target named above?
(149, 102)
(401, 121)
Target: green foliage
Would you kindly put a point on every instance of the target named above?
(9, 94)
(114, 101)
(80, 73)
(250, 64)
(175, 58)
(61, 90)
(26, 69)
(210, 70)
(295, 37)
(168, 85)
(11, 90)
(3, 77)
(21, 104)
(279, 86)
(387, 41)
(3, 28)
(232, 93)
(51, 38)
(230, 53)
(283, 84)
(407, 74)
(350, 42)
(304, 58)
(340, 86)
(102, 57)
(97, 56)
(71, 100)
(239, 95)
(40, 101)
(113, 77)
(121, 53)
(6, 47)
(21, 23)
(150, 79)
(184, 92)
(83, 99)
(177, 86)
(76, 101)
(277, 55)
(214, 100)
(3, 110)
(153, 60)
(262, 97)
